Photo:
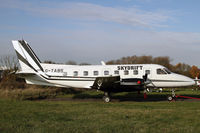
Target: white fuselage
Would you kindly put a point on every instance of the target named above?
(84, 76)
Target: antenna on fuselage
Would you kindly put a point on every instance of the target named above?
(103, 63)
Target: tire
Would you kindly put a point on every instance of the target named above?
(170, 98)
(107, 99)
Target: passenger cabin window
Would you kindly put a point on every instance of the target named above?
(106, 72)
(126, 72)
(135, 72)
(147, 72)
(96, 73)
(116, 72)
(85, 73)
(75, 73)
(161, 71)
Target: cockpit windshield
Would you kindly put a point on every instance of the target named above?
(167, 70)
(163, 71)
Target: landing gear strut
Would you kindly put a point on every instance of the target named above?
(145, 94)
(172, 97)
(106, 97)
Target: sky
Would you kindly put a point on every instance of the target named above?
(95, 30)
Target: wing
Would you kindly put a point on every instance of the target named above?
(30, 76)
(115, 84)
(25, 74)
(102, 83)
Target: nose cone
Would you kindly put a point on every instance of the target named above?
(186, 81)
(190, 82)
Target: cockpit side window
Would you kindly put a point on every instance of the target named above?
(161, 71)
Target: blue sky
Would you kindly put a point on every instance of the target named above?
(95, 30)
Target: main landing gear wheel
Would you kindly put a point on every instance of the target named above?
(107, 98)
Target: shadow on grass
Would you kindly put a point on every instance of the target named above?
(132, 96)
(123, 97)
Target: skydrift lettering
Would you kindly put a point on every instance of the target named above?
(129, 67)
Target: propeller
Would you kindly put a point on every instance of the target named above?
(147, 80)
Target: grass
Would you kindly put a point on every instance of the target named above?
(127, 116)
(33, 92)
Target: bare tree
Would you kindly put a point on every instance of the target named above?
(9, 79)
(9, 62)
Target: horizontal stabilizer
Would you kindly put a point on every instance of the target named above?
(25, 74)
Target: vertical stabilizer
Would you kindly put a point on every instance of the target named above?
(28, 60)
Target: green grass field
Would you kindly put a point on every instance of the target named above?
(125, 115)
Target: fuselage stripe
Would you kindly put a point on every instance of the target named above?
(67, 79)
(155, 80)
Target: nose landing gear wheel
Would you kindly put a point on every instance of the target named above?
(169, 98)
(172, 97)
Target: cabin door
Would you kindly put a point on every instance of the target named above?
(148, 71)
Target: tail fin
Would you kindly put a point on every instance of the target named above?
(28, 60)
